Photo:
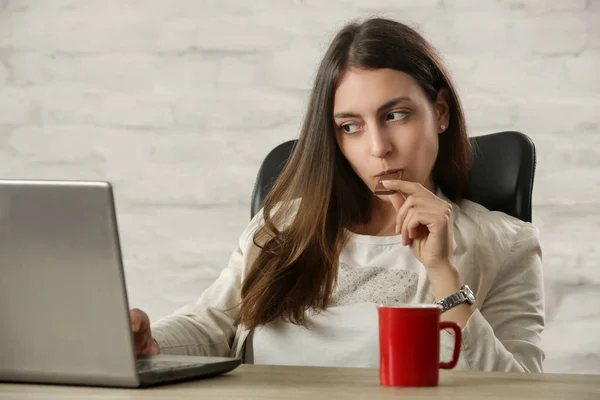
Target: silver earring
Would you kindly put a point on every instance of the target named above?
(442, 127)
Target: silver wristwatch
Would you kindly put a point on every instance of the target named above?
(464, 295)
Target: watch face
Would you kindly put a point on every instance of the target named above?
(470, 294)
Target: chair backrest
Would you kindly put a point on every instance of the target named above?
(501, 177)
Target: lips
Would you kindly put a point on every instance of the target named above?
(389, 172)
(389, 175)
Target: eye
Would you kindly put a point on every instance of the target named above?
(396, 115)
(349, 128)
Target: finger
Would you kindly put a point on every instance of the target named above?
(143, 344)
(403, 226)
(135, 315)
(155, 348)
(405, 187)
(420, 202)
(397, 199)
(138, 342)
(430, 221)
(413, 230)
(414, 222)
(148, 343)
(402, 212)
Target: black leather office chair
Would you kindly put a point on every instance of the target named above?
(501, 178)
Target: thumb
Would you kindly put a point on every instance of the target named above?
(397, 199)
(155, 348)
(136, 317)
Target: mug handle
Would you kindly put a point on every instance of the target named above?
(457, 342)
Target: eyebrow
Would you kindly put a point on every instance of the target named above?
(387, 104)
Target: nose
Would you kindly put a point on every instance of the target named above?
(381, 144)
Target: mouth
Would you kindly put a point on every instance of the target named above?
(396, 173)
(387, 175)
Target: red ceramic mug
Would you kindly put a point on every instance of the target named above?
(409, 345)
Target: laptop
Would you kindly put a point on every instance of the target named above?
(64, 313)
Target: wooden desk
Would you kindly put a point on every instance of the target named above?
(263, 382)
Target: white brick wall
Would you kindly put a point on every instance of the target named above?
(178, 102)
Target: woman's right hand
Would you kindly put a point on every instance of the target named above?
(142, 334)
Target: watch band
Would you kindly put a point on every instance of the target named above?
(464, 295)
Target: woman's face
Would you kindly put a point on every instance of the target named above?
(385, 122)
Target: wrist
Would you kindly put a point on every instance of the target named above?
(440, 266)
(445, 280)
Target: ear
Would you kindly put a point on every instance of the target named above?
(442, 110)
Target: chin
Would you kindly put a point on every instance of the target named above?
(383, 197)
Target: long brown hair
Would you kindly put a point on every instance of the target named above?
(318, 194)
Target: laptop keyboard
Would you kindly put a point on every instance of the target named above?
(154, 365)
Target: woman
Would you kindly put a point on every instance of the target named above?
(332, 241)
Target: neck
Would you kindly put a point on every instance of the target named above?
(383, 220)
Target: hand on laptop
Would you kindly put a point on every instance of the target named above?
(142, 334)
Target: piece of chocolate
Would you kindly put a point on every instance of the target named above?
(382, 190)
